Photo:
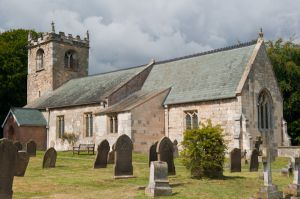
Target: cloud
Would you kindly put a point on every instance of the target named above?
(131, 32)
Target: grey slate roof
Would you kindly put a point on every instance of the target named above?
(27, 117)
(207, 76)
(131, 101)
(85, 90)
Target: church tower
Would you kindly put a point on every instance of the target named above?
(53, 59)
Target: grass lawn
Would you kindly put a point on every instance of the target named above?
(74, 177)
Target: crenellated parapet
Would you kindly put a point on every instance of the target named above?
(58, 37)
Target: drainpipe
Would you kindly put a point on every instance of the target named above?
(167, 127)
(48, 121)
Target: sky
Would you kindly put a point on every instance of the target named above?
(128, 33)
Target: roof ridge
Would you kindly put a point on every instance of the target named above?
(239, 45)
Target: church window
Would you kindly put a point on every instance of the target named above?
(264, 108)
(71, 60)
(60, 126)
(88, 124)
(191, 120)
(113, 124)
(40, 59)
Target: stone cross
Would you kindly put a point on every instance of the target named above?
(158, 180)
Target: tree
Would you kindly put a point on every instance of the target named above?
(13, 70)
(285, 58)
(204, 151)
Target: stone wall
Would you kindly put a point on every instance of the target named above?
(74, 123)
(39, 82)
(261, 77)
(24, 134)
(289, 151)
(148, 122)
(223, 112)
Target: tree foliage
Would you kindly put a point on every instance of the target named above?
(204, 151)
(285, 58)
(13, 70)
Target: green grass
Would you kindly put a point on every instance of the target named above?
(74, 177)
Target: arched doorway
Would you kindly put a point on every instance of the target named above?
(11, 133)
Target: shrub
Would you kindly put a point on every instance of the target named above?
(204, 151)
(70, 137)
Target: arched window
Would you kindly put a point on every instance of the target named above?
(264, 110)
(40, 59)
(71, 60)
(191, 120)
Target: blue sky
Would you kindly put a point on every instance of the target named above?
(131, 32)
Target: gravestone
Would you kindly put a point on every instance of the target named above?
(165, 152)
(101, 156)
(254, 164)
(31, 148)
(123, 157)
(111, 155)
(49, 160)
(293, 190)
(152, 153)
(158, 180)
(8, 160)
(235, 160)
(175, 153)
(18, 145)
(22, 163)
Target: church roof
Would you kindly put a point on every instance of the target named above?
(26, 117)
(86, 90)
(206, 76)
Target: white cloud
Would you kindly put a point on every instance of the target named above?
(131, 32)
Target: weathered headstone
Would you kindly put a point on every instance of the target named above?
(111, 155)
(101, 156)
(49, 160)
(175, 153)
(158, 180)
(235, 160)
(293, 190)
(123, 157)
(31, 148)
(254, 164)
(8, 160)
(152, 153)
(18, 145)
(22, 163)
(165, 152)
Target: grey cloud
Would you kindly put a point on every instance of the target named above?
(131, 32)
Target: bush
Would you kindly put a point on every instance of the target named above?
(204, 151)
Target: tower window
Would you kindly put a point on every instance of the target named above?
(71, 60)
(40, 59)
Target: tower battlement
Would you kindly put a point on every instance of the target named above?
(58, 37)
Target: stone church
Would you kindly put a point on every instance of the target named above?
(233, 86)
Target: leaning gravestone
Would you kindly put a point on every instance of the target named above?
(254, 160)
(235, 160)
(31, 148)
(158, 180)
(111, 155)
(22, 163)
(123, 157)
(101, 156)
(18, 145)
(152, 153)
(8, 160)
(165, 152)
(49, 160)
(175, 153)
